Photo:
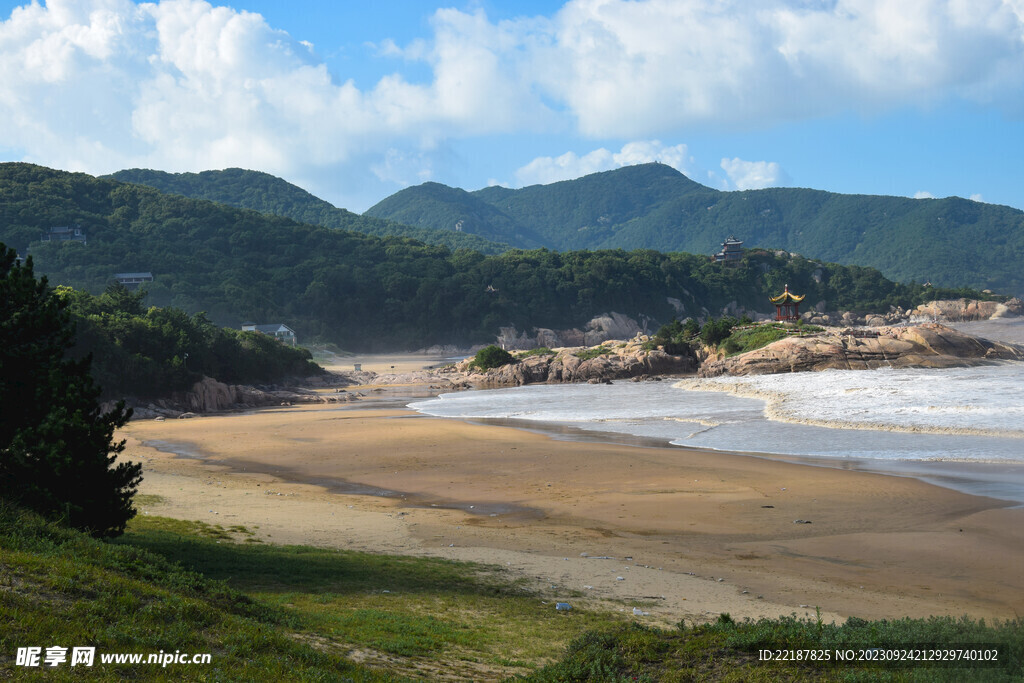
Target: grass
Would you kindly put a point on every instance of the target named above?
(587, 354)
(410, 607)
(62, 588)
(741, 341)
(539, 351)
(730, 651)
(269, 612)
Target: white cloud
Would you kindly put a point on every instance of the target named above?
(976, 198)
(753, 175)
(98, 85)
(636, 68)
(544, 170)
(922, 194)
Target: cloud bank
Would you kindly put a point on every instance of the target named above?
(98, 85)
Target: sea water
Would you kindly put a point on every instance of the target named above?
(961, 427)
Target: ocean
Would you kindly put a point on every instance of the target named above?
(961, 427)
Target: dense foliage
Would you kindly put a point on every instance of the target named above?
(271, 195)
(452, 210)
(364, 292)
(491, 357)
(950, 242)
(57, 454)
(145, 352)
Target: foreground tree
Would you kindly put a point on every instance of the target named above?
(57, 453)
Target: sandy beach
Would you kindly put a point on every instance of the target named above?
(690, 533)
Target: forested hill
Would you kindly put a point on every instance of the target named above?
(364, 292)
(272, 195)
(950, 242)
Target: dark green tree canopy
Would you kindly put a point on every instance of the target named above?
(57, 453)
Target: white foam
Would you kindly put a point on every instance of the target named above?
(985, 400)
(959, 415)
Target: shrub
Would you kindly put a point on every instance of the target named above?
(675, 336)
(491, 357)
(716, 331)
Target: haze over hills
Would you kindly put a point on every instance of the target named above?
(949, 242)
(272, 195)
(366, 292)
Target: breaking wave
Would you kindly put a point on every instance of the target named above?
(981, 401)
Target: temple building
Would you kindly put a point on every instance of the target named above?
(787, 305)
(732, 251)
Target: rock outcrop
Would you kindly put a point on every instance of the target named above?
(951, 310)
(614, 360)
(927, 346)
(601, 328)
(210, 396)
(965, 310)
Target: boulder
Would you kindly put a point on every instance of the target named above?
(610, 326)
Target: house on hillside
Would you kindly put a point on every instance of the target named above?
(279, 331)
(65, 233)
(732, 251)
(133, 280)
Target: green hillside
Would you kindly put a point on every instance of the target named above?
(271, 195)
(449, 209)
(363, 292)
(950, 242)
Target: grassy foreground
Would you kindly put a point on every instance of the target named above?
(268, 612)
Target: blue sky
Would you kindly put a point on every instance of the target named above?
(354, 101)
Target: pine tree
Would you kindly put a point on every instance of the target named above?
(57, 454)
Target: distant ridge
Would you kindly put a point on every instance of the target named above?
(950, 242)
(272, 195)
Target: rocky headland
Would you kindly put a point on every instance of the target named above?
(603, 363)
(929, 345)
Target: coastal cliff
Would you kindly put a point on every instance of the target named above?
(924, 346)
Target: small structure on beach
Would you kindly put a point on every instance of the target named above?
(732, 251)
(787, 305)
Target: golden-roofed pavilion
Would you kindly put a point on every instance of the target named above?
(787, 305)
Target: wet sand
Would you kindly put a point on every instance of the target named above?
(690, 533)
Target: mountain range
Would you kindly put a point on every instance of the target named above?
(366, 292)
(949, 242)
(274, 196)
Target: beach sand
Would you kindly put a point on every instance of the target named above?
(691, 534)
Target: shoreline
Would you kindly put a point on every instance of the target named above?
(984, 479)
(998, 478)
(875, 545)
